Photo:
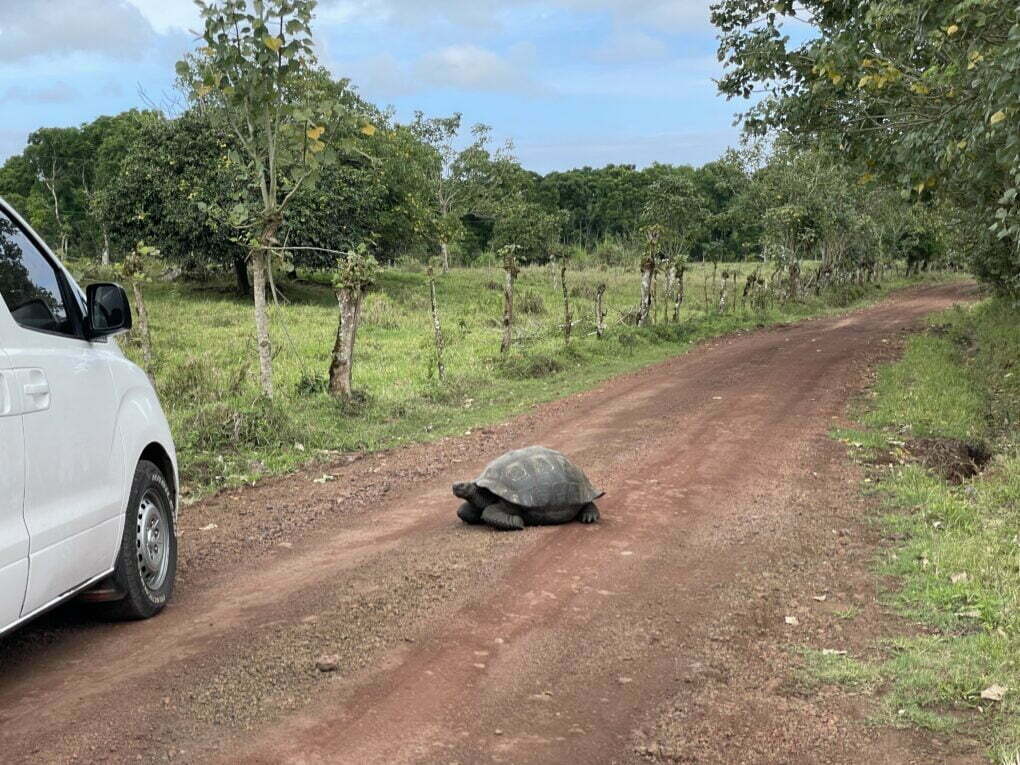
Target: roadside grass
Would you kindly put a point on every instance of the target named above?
(227, 434)
(957, 567)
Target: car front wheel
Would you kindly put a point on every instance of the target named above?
(147, 560)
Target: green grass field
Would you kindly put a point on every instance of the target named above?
(959, 564)
(206, 373)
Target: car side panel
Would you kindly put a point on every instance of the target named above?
(13, 531)
(74, 464)
(140, 423)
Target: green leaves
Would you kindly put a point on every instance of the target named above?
(918, 91)
(356, 269)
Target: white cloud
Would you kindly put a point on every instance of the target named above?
(631, 45)
(165, 15)
(49, 28)
(461, 67)
(59, 92)
(674, 15)
(11, 142)
(474, 13)
(672, 80)
(467, 67)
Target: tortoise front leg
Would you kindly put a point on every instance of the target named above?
(588, 514)
(502, 517)
(469, 513)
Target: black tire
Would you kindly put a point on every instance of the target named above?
(145, 595)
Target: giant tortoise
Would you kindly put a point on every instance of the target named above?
(534, 486)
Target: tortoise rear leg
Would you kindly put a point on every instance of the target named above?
(588, 514)
(469, 513)
(500, 516)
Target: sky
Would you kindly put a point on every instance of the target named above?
(571, 82)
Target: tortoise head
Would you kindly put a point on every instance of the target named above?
(464, 489)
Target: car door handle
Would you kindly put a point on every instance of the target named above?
(35, 389)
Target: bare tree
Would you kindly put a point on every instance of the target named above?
(567, 318)
(133, 268)
(508, 253)
(600, 311)
(649, 261)
(355, 274)
(437, 328)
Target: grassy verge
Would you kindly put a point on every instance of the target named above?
(227, 435)
(958, 564)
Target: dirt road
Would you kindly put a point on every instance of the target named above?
(660, 634)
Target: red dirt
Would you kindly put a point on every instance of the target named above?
(657, 635)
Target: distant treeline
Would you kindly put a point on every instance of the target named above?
(425, 189)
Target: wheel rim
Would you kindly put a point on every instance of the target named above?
(153, 541)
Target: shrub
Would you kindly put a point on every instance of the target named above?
(379, 310)
(486, 260)
(531, 303)
(527, 367)
(225, 425)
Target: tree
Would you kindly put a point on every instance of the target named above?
(920, 92)
(533, 230)
(257, 67)
(437, 328)
(649, 262)
(110, 142)
(461, 182)
(600, 312)
(133, 269)
(174, 187)
(354, 275)
(679, 211)
(57, 156)
(508, 257)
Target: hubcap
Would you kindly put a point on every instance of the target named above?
(153, 540)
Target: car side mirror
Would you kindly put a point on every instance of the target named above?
(109, 312)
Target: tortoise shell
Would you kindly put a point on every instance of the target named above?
(537, 477)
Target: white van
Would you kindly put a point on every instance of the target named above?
(88, 471)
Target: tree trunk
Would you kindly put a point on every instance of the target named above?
(241, 275)
(265, 349)
(342, 364)
(567, 318)
(143, 326)
(51, 184)
(436, 326)
(600, 312)
(444, 249)
(508, 309)
(793, 281)
(647, 277)
(678, 294)
(106, 248)
(722, 292)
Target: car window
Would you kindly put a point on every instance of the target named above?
(29, 283)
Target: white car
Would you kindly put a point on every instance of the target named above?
(88, 471)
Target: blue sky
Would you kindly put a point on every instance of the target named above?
(572, 82)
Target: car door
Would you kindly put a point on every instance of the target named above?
(73, 509)
(13, 532)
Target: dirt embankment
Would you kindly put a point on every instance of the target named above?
(731, 530)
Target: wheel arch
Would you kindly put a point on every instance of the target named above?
(158, 456)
